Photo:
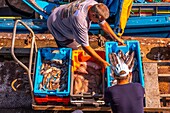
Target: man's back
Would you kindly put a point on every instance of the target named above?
(126, 98)
(70, 21)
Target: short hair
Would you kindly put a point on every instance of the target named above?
(119, 77)
(101, 10)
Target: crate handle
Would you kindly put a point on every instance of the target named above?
(31, 52)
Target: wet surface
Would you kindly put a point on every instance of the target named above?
(164, 85)
(9, 71)
(159, 53)
(19, 101)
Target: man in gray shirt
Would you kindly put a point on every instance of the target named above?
(70, 23)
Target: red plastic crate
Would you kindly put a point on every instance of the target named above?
(52, 99)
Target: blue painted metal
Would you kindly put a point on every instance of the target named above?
(157, 26)
(113, 5)
(38, 25)
(47, 6)
(152, 26)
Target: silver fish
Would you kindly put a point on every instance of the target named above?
(121, 55)
(114, 56)
(130, 58)
(63, 86)
(111, 59)
(132, 64)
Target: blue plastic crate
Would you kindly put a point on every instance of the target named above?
(46, 54)
(130, 45)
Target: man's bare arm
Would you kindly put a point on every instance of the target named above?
(92, 53)
(107, 29)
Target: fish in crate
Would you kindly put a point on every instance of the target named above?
(87, 78)
(126, 59)
(54, 74)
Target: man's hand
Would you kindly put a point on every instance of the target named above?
(121, 42)
(105, 64)
(93, 54)
(107, 29)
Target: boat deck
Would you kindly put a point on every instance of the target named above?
(155, 57)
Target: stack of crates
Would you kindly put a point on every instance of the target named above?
(85, 98)
(45, 95)
(133, 45)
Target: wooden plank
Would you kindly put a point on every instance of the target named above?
(165, 111)
(85, 108)
(69, 108)
(163, 75)
(163, 69)
(152, 95)
(153, 109)
(165, 95)
(158, 61)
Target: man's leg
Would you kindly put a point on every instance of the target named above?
(68, 43)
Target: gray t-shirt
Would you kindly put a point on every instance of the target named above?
(70, 21)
